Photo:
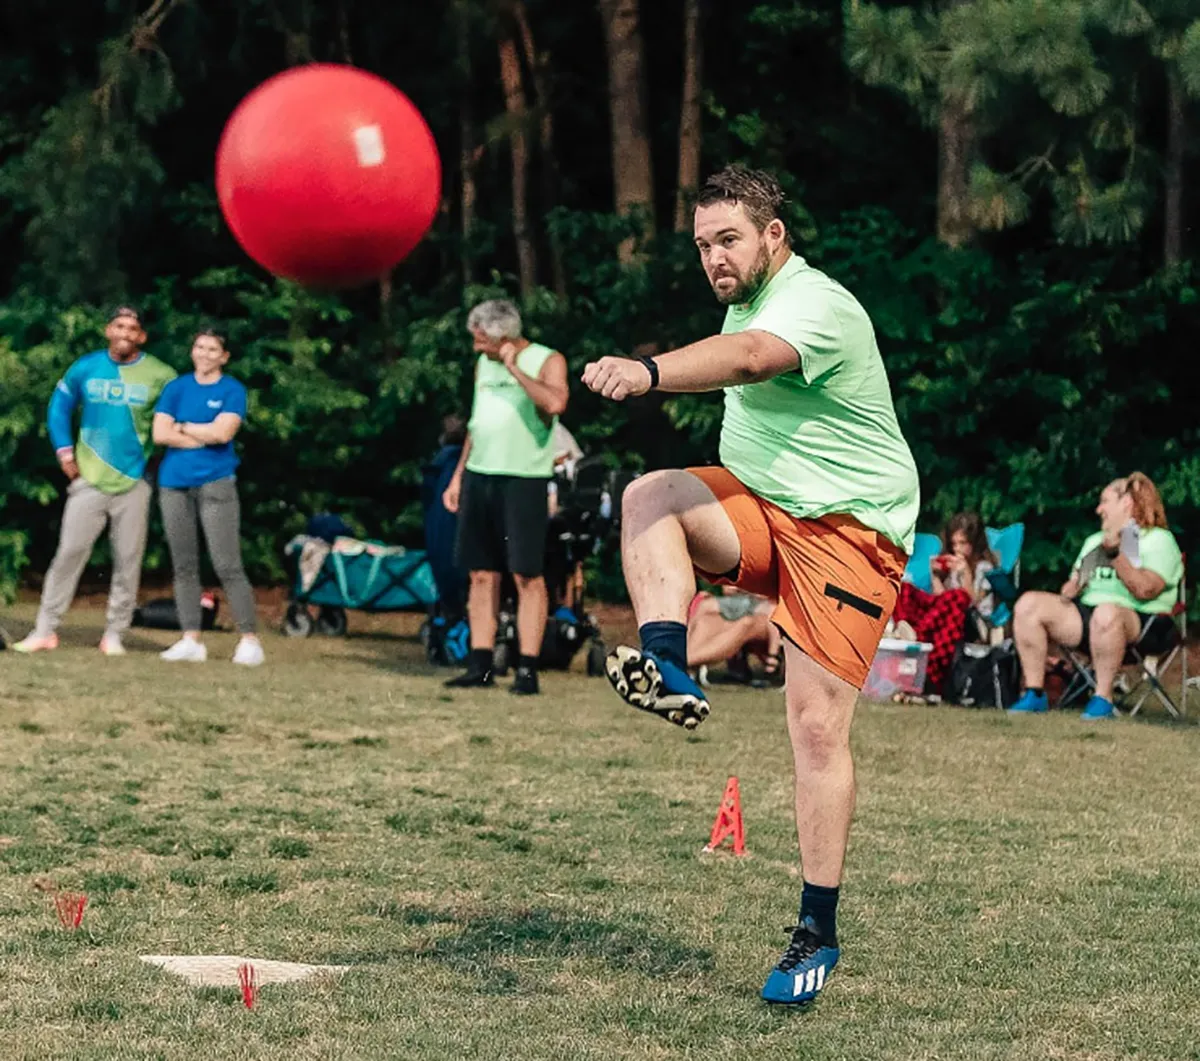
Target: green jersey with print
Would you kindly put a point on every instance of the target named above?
(822, 439)
(1157, 551)
(115, 403)
(508, 434)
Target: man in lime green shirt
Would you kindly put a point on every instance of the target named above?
(814, 507)
(1123, 588)
(500, 488)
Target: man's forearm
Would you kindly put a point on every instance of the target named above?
(59, 413)
(549, 400)
(206, 434)
(216, 433)
(462, 458)
(178, 439)
(713, 363)
(1143, 584)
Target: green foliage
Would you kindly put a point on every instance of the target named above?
(1040, 82)
(1022, 393)
(1019, 389)
(892, 48)
(90, 167)
(1088, 213)
(1189, 58)
(998, 200)
(1026, 370)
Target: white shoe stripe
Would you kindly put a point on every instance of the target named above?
(809, 983)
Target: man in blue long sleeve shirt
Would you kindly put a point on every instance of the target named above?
(114, 391)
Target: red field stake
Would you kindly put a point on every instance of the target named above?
(729, 820)
(249, 984)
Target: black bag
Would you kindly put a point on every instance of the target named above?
(160, 614)
(984, 675)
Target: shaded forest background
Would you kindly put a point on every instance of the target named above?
(1009, 186)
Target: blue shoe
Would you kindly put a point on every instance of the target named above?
(656, 685)
(1098, 707)
(1031, 704)
(803, 969)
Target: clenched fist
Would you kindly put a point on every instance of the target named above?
(452, 494)
(508, 355)
(617, 378)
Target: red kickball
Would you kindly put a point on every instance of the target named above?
(328, 175)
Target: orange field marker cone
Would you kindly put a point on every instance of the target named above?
(729, 820)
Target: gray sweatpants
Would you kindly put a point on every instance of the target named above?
(213, 506)
(84, 517)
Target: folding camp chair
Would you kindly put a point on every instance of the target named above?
(916, 571)
(1130, 696)
(1005, 542)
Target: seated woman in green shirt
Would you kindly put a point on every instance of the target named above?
(1123, 588)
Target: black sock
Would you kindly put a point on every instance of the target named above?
(1034, 690)
(667, 640)
(527, 663)
(481, 660)
(821, 905)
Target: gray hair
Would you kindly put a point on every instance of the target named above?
(498, 318)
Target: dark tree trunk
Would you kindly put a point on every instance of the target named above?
(633, 175)
(956, 145)
(516, 107)
(689, 116)
(467, 151)
(1173, 171)
(538, 63)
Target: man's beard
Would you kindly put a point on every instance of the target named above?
(752, 285)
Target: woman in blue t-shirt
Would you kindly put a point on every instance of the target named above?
(196, 418)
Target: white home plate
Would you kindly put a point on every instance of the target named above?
(221, 970)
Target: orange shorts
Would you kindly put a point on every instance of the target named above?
(835, 581)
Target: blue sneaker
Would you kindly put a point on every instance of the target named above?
(656, 685)
(1098, 707)
(803, 969)
(1031, 703)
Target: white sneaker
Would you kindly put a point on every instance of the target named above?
(185, 650)
(110, 645)
(249, 652)
(36, 642)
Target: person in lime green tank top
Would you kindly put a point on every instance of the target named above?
(501, 485)
(1124, 585)
(814, 508)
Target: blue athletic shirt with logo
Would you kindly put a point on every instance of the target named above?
(187, 402)
(116, 403)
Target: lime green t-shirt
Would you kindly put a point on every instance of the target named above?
(1157, 551)
(508, 434)
(822, 439)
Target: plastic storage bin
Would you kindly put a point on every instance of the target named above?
(899, 667)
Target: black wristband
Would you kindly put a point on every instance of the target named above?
(652, 368)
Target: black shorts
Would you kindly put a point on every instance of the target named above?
(1157, 636)
(502, 524)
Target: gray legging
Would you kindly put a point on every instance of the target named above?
(214, 506)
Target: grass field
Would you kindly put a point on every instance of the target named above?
(516, 879)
